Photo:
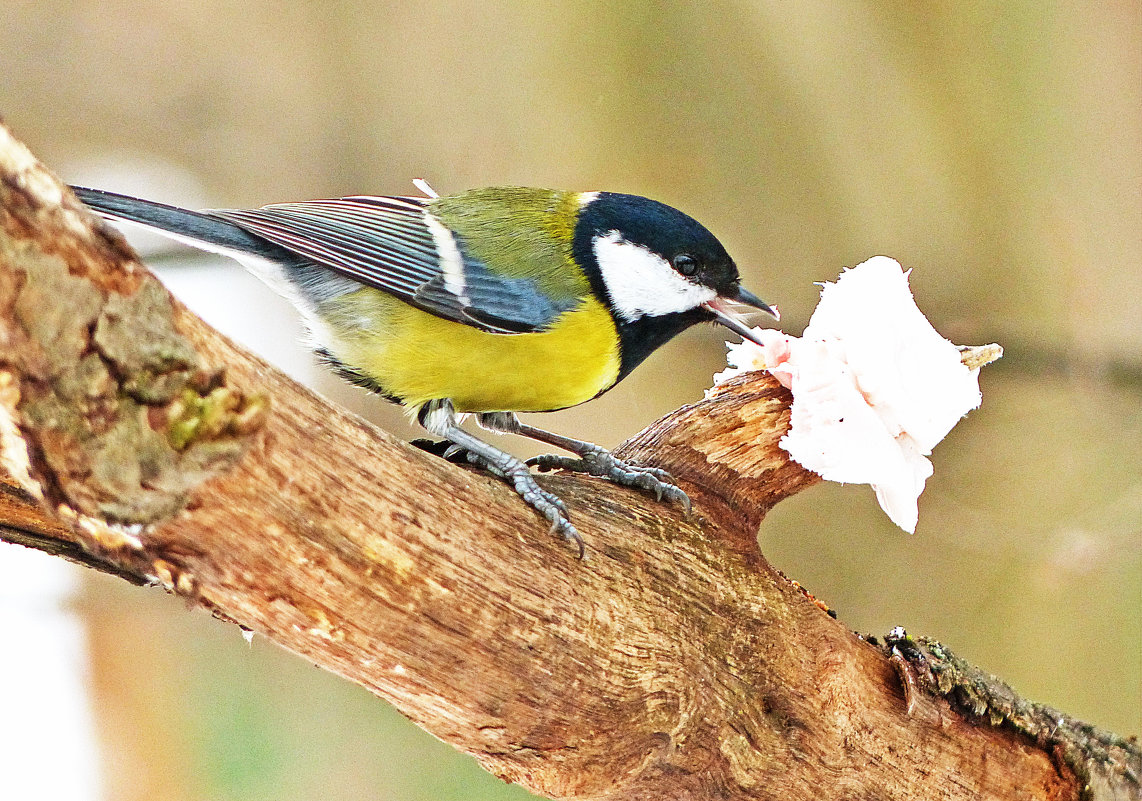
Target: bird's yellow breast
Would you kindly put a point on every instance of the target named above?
(418, 357)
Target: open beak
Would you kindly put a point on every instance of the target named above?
(720, 306)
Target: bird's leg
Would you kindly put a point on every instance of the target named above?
(439, 418)
(593, 459)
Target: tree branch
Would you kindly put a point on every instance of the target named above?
(673, 663)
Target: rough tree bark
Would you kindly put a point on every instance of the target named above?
(674, 662)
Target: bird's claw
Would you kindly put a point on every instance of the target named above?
(550, 506)
(548, 462)
(546, 503)
(595, 461)
(562, 526)
(599, 462)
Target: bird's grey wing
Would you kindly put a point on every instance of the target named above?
(394, 245)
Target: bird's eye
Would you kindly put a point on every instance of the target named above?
(686, 264)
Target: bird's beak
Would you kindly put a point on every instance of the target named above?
(720, 306)
(750, 299)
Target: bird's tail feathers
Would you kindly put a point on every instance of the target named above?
(194, 228)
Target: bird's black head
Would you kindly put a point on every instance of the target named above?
(658, 270)
(631, 238)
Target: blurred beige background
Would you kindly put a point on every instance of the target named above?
(993, 147)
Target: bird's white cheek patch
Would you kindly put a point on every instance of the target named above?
(641, 283)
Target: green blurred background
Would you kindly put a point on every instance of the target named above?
(993, 147)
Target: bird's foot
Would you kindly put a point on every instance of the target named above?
(519, 476)
(597, 461)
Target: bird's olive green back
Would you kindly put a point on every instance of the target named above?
(519, 232)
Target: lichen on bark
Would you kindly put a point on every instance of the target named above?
(122, 418)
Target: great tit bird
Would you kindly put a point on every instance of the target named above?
(490, 302)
